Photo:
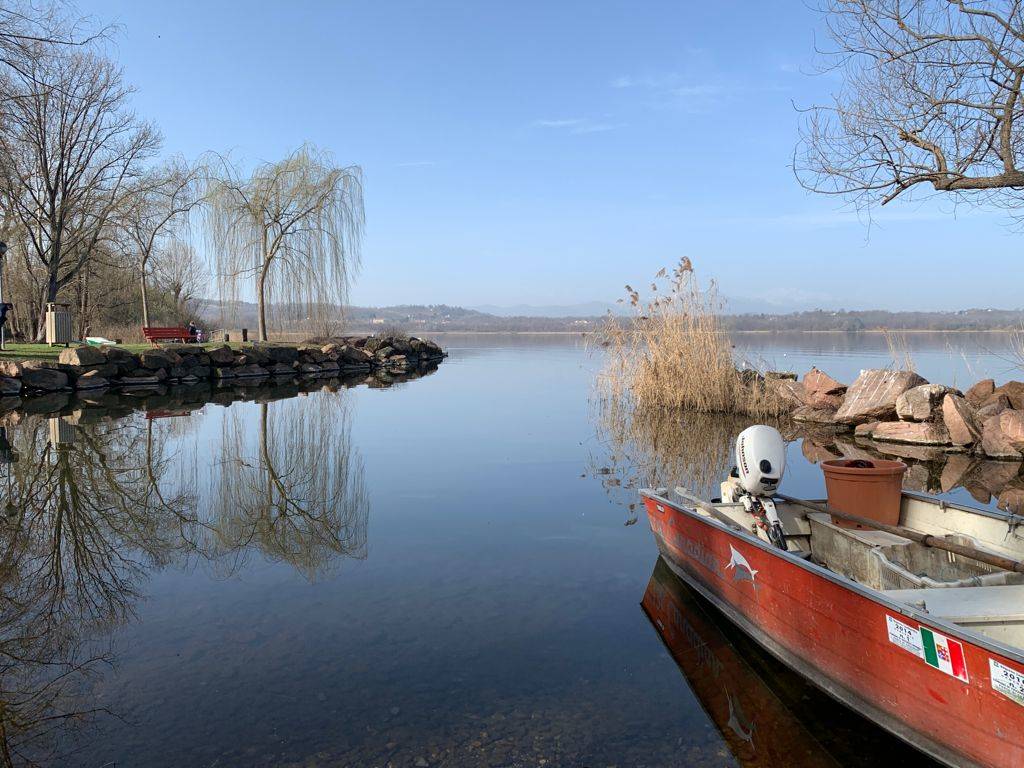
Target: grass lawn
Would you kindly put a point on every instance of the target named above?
(46, 352)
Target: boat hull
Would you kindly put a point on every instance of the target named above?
(854, 643)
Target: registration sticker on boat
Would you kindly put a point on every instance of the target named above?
(905, 636)
(1008, 682)
(944, 653)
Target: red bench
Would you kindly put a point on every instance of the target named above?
(155, 333)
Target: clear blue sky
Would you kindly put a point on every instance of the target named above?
(549, 152)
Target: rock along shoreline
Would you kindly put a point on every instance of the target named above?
(87, 368)
(894, 406)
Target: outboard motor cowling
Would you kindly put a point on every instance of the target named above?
(760, 459)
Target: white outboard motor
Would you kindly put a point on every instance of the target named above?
(760, 464)
(760, 459)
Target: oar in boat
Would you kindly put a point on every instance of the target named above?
(926, 539)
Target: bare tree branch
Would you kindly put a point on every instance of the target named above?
(930, 101)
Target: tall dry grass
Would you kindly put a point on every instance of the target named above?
(674, 355)
(899, 350)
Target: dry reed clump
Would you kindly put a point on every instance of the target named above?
(674, 355)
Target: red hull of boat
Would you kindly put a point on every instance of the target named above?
(839, 635)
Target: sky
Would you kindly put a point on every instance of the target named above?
(539, 152)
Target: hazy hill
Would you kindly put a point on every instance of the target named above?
(422, 318)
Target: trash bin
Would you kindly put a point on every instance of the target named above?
(58, 324)
(871, 488)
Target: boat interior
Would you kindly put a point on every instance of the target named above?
(976, 595)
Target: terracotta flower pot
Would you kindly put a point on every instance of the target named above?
(866, 488)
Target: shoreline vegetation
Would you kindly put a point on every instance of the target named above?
(672, 378)
(674, 355)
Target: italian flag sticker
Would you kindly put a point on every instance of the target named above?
(943, 653)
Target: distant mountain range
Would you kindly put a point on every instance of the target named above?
(581, 318)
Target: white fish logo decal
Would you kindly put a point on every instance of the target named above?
(740, 567)
(738, 722)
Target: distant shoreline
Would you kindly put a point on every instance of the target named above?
(732, 332)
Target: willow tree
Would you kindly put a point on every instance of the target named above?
(294, 228)
(930, 102)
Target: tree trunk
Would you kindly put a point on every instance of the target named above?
(145, 299)
(49, 294)
(261, 282)
(83, 303)
(260, 305)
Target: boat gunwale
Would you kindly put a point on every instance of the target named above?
(877, 596)
(1009, 518)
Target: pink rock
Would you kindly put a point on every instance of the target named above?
(958, 417)
(865, 430)
(828, 402)
(873, 395)
(919, 403)
(980, 392)
(1012, 424)
(993, 405)
(810, 415)
(789, 391)
(821, 390)
(994, 442)
(916, 432)
(1014, 390)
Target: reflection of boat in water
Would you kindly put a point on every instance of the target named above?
(917, 626)
(767, 715)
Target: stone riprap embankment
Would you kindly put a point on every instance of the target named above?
(948, 438)
(86, 368)
(901, 407)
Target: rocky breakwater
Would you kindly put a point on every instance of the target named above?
(973, 438)
(95, 368)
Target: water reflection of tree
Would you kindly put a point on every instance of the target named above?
(90, 509)
(295, 491)
(86, 516)
(652, 448)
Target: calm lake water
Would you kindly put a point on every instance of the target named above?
(443, 572)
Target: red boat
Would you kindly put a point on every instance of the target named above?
(924, 642)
